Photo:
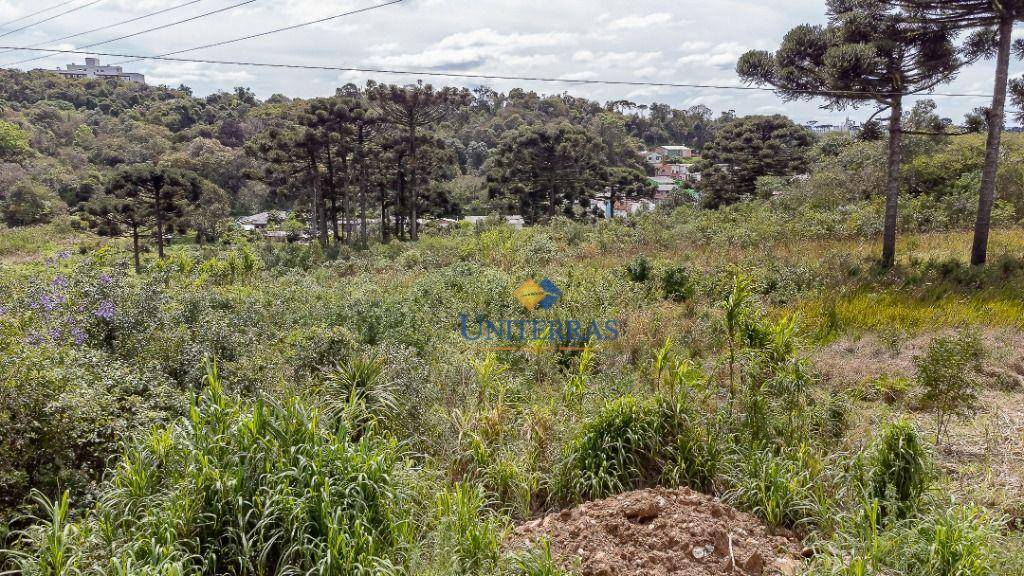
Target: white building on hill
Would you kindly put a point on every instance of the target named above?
(93, 69)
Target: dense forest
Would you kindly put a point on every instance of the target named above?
(348, 155)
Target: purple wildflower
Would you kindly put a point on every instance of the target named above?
(34, 338)
(48, 302)
(106, 310)
(78, 335)
(55, 334)
(106, 279)
(59, 282)
(64, 254)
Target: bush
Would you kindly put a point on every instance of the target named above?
(639, 270)
(676, 284)
(775, 487)
(948, 373)
(899, 471)
(255, 488)
(633, 443)
(30, 203)
(610, 453)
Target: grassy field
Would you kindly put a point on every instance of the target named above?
(195, 406)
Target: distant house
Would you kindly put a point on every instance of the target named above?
(93, 69)
(262, 220)
(664, 183)
(677, 171)
(513, 220)
(674, 152)
(624, 208)
(653, 158)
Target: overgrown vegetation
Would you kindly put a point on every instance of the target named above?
(347, 374)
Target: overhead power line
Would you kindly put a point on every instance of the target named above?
(274, 31)
(148, 30)
(441, 74)
(109, 26)
(54, 17)
(36, 13)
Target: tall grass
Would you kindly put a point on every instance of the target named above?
(261, 488)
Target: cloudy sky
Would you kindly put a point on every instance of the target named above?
(678, 41)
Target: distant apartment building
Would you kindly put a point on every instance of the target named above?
(93, 69)
(674, 152)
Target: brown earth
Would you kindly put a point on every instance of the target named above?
(661, 532)
(982, 456)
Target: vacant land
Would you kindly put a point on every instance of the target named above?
(268, 399)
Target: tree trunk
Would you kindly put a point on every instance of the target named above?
(363, 235)
(319, 208)
(333, 187)
(135, 247)
(552, 194)
(383, 214)
(892, 184)
(334, 219)
(987, 195)
(400, 206)
(346, 205)
(413, 200)
(158, 212)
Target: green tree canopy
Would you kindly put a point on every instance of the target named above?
(14, 145)
(748, 148)
(870, 51)
(544, 170)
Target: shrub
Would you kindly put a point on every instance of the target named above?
(676, 284)
(775, 487)
(610, 453)
(258, 488)
(958, 542)
(359, 394)
(30, 203)
(899, 470)
(639, 270)
(948, 373)
(633, 443)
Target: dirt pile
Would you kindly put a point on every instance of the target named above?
(662, 532)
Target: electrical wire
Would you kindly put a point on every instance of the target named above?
(108, 26)
(36, 13)
(442, 74)
(54, 17)
(274, 31)
(148, 30)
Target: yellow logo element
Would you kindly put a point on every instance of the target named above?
(530, 294)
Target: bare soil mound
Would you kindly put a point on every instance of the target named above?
(661, 532)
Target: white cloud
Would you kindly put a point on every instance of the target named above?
(571, 39)
(721, 55)
(488, 37)
(638, 22)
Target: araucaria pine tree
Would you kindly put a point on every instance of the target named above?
(870, 52)
(991, 23)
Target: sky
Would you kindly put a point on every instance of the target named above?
(678, 41)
